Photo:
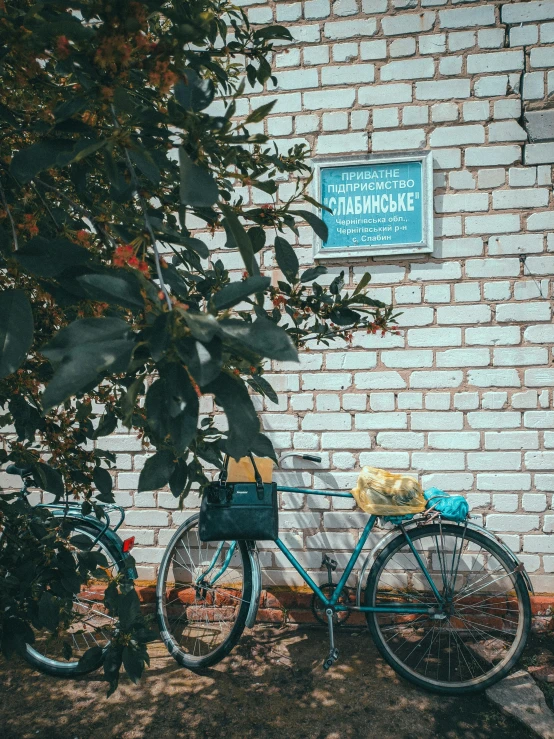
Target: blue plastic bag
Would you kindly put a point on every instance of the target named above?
(451, 507)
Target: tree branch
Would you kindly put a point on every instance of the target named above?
(8, 211)
(147, 223)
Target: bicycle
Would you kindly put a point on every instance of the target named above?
(447, 604)
(90, 625)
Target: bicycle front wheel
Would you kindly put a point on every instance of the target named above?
(479, 611)
(88, 625)
(203, 595)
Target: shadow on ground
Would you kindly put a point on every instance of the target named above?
(271, 687)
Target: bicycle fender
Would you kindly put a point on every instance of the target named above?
(410, 525)
(256, 584)
(113, 538)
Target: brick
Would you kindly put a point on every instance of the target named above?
(541, 57)
(391, 140)
(463, 358)
(381, 401)
(463, 314)
(410, 401)
(353, 440)
(298, 79)
(539, 419)
(539, 460)
(433, 337)
(541, 221)
(504, 481)
(538, 543)
(489, 420)
(463, 180)
(435, 271)
(540, 124)
(491, 38)
(515, 244)
(488, 156)
(373, 50)
(539, 334)
(385, 118)
(453, 248)
(493, 267)
(528, 11)
(146, 518)
(402, 47)
(450, 65)
(407, 358)
(437, 401)
(437, 461)
(434, 421)
(466, 401)
(433, 44)
(539, 377)
(521, 198)
(506, 131)
(356, 402)
(347, 74)
(519, 523)
(408, 23)
(336, 30)
(499, 61)
(387, 460)
(511, 440)
(519, 356)
(523, 312)
(467, 17)
(351, 360)
(457, 135)
(429, 380)
(493, 335)
(494, 461)
(343, 142)
(522, 176)
(414, 69)
(400, 440)
(328, 99)
(462, 203)
(379, 380)
(467, 292)
(316, 55)
(325, 421)
(487, 87)
(539, 153)
(445, 440)
(317, 9)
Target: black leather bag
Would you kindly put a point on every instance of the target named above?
(239, 510)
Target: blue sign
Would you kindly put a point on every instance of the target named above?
(376, 207)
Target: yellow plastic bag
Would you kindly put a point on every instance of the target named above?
(243, 471)
(383, 493)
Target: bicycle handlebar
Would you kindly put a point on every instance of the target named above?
(11, 469)
(308, 457)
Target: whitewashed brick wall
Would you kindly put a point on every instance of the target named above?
(463, 397)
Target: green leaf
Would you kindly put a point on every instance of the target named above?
(82, 352)
(338, 283)
(244, 425)
(156, 472)
(16, 330)
(142, 159)
(116, 287)
(233, 293)
(262, 447)
(315, 222)
(91, 659)
(172, 407)
(107, 425)
(262, 337)
(262, 386)
(241, 239)
(313, 273)
(44, 155)
(129, 400)
(257, 236)
(69, 108)
(344, 316)
(362, 283)
(286, 259)
(49, 611)
(103, 481)
(203, 360)
(203, 326)
(178, 479)
(50, 257)
(194, 93)
(133, 663)
(273, 32)
(260, 113)
(82, 151)
(198, 187)
(50, 479)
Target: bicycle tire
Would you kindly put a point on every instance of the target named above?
(510, 611)
(202, 600)
(72, 668)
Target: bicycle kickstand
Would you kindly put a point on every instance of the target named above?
(333, 651)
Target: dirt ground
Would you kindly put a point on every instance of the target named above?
(271, 687)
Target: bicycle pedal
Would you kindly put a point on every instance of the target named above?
(331, 659)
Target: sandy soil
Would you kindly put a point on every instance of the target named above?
(271, 687)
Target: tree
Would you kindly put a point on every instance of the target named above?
(118, 132)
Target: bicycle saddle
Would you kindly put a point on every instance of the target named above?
(21, 471)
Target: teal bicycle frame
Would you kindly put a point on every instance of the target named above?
(332, 602)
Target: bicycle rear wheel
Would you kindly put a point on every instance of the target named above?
(89, 624)
(476, 628)
(203, 595)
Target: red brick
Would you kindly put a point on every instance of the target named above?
(270, 615)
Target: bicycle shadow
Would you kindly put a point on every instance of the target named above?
(271, 686)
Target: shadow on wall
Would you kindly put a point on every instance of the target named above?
(272, 686)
